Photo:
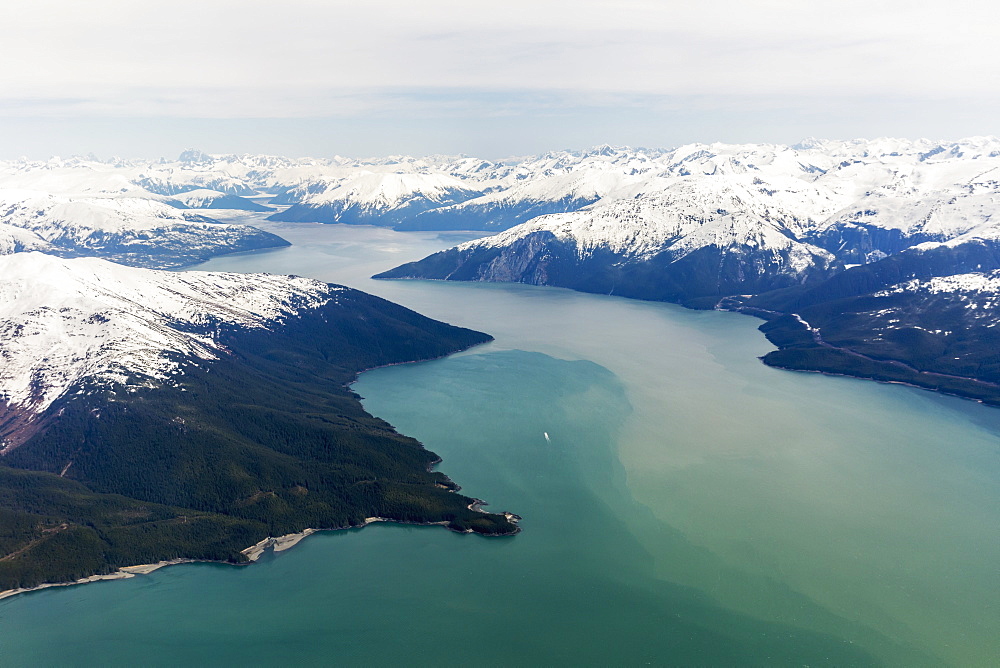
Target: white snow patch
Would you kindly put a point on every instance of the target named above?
(63, 321)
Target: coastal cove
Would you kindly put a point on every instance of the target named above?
(682, 503)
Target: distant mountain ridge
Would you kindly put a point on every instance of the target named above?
(366, 197)
(879, 188)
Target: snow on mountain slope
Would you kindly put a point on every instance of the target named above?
(769, 209)
(691, 214)
(201, 198)
(173, 182)
(883, 193)
(480, 193)
(54, 215)
(504, 208)
(700, 238)
(980, 291)
(66, 321)
(382, 191)
(376, 198)
(931, 200)
(73, 177)
(233, 175)
(129, 229)
(941, 215)
(823, 182)
(841, 176)
(940, 194)
(554, 183)
(15, 240)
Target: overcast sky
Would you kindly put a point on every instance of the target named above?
(319, 77)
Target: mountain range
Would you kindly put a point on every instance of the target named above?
(789, 233)
(765, 228)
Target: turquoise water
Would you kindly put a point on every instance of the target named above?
(689, 506)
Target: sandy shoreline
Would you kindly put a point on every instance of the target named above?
(280, 544)
(121, 574)
(253, 553)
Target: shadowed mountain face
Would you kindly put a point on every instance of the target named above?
(925, 316)
(541, 258)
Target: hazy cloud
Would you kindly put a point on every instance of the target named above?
(592, 62)
(230, 57)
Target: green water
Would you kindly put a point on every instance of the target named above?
(689, 506)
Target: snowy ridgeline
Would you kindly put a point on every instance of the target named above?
(66, 321)
(856, 201)
(921, 187)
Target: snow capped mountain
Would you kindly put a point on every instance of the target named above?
(374, 198)
(501, 209)
(54, 215)
(65, 321)
(232, 175)
(176, 182)
(824, 182)
(930, 193)
(554, 183)
(670, 247)
(15, 240)
(373, 190)
(71, 177)
(689, 215)
(684, 227)
(131, 230)
(766, 215)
